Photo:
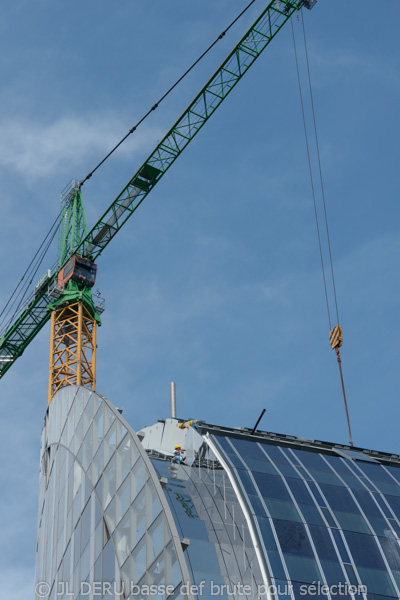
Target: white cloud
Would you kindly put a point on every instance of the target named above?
(37, 149)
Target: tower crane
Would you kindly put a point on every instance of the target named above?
(64, 294)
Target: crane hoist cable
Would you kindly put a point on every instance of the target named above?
(335, 333)
(55, 225)
(132, 130)
(156, 105)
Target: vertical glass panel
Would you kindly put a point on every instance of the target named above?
(123, 499)
(108, 562)
(97, 465)
(155, 539)
(323, 543)
(139, 559)
(266, 533)
(110, 442)
(340, 545)
(87, 449)
(123, 460)
(153, 503)
(110, 515)
(139, 477)
(109, 482)
(85, 526)
(77, 479)
(138, 517)
(123, 537)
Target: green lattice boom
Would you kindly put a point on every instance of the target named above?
(253, 43)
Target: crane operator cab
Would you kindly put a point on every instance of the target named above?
(79, 269)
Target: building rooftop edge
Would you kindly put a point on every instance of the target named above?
(293, 441)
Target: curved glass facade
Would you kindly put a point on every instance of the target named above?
(326, 519)
(248, 517)
(105, 529)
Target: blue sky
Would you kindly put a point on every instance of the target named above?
(215, 283)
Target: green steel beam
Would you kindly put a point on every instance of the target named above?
(25, 328)
(268, 24)
(237, 63)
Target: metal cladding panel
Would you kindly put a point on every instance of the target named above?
(165, 435)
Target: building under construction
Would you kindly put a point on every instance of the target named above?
(242, 514)
(184, 509)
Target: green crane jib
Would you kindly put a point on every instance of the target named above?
(31, 320)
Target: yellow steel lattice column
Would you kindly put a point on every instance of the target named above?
(72, 348)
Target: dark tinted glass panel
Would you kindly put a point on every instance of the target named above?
(323, 543)
(339, 498)
(338, 464)
(327, 514)
(301, 590)
(311, 514)
(303, 472)
(261, 466)
(299, 491)
(350, 574)
(391, 550)
(375, 472)
(352, 481)
(383, 505)
(293, 538)
(247, 483)
(388, 487)
(288, 471)
(279, 509)
(316, 493)
(395, 471)
(325, 477)
(340, 545)
(364, 550)
(394, 503)
(283, 590)
(333, 572)
(311, 460)
(275, 453)
(256, 505)
(302, 568)
(271, 486)
(377, 582)
(276, 565)
(395, 526)
(367, 503)
(352, 522)
(248, 449)
(266, 533)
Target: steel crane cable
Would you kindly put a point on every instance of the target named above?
(29, 272)
(311, 177)
(89, 175)
(339, 360)
(156, 105)
(319, 167)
